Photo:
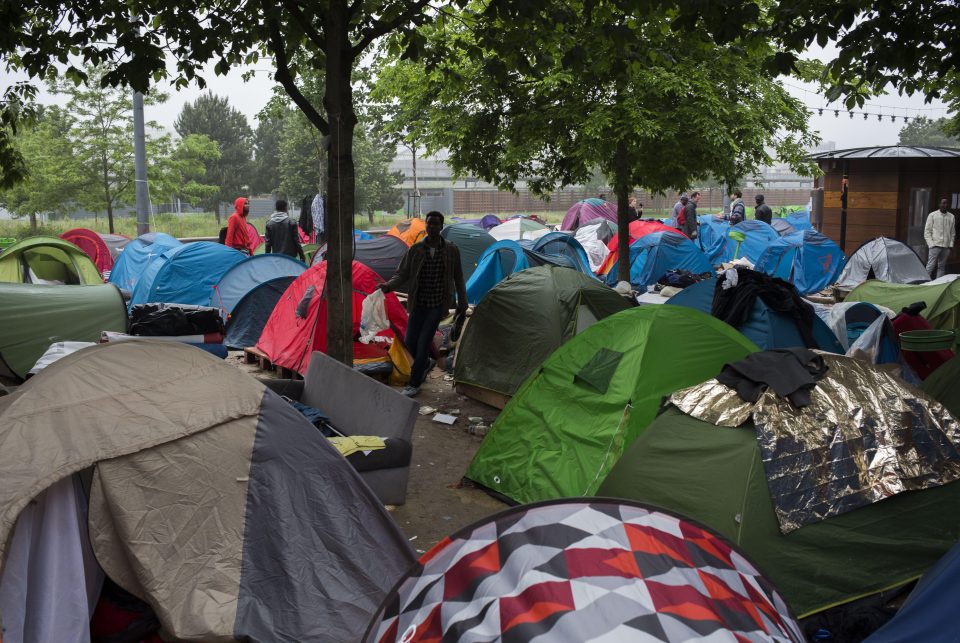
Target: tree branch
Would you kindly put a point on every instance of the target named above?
(284, 77)
(383, 28)
(315, 36)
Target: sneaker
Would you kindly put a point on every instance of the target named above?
(410, 391)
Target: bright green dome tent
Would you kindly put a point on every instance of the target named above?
(943, 385)
(715, 475)
(943, 300)
(41, 260)
(523, 319)
(571, 420)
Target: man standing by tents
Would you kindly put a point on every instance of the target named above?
(238, 236)
(939, 233)
(281, 233)
(431, 271)
(687, 219)
(762, 212)
(738, 211)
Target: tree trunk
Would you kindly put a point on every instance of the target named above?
(33, 221)
(106, 195)
(338, 101)
(416, 190)
(216, 213)
(622, 191)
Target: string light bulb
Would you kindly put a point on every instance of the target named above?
(879, 118)
(851, 114)
(836, 113)
(865, 115)
(821, 111)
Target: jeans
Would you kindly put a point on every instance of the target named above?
(937, 261)
(421, 328)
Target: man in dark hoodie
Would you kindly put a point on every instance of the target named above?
(762, 212)
(282, 235)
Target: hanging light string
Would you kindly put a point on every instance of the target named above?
(908, 112)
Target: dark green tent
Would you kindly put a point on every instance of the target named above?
(471, 240)
(523, 319)
(35, 316)
(943, 385)
(570, 421)
(715, 475)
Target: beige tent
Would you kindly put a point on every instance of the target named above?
(212, 499)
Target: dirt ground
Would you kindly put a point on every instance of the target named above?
(437, 503)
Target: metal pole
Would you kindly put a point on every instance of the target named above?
(843, 207)
(140, 166)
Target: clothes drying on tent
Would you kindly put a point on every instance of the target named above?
(409, 231)
(96, 247)
(517, 229)
(587, 210)
(185, 274)
(523, 319)
(561, 244)
(34, 316)
(807, 259)
(652, 255)
(298, 324)
(637, 229)
(47, 260)
(594, 238)
(381, 254)
(884, 259)
(573, 417)
(285, 556)
(764, 326)
(583, 570)
(137, 255)
(471, 240)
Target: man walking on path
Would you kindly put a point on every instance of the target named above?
(433, 276)
(282, 235)
(762, 212)
(939, 234)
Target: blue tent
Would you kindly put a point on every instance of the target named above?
(560, 244)
(759, 236)
(800, 219)
(930, 612)
(246, 275)
(712, 237)
(251, 313)
(472, 241)
(652, 255)
(766, 328)
(782, 226)
(185, 274)
(808, 259)
(137, 255)
(360, 234)
(497, 262)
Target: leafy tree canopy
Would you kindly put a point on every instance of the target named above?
(928, 131)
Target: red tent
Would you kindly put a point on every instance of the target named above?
(94, 247)
(639, 228)
(298, 324)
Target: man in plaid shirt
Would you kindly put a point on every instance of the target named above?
(433, 277)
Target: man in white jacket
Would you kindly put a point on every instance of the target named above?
(939, 234)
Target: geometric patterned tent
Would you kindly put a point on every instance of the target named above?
(583, 570)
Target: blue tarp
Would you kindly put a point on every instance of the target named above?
(360, 234)
(766, 328)
(930, 612)
(557, 244)
(185, 274)
(497, 262)
(246, 275)
(137, 255)
(808, 259)
(652, 255)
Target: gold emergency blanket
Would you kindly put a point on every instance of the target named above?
(866, 436)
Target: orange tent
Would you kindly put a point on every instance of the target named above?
(409, 230)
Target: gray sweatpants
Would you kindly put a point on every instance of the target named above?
(937, 261)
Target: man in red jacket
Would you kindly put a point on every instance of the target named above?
(237, 234)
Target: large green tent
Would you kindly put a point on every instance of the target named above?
(943, 300)
(715, 475)
(47, 260)
(570, 421)
(35, 316)
(943, 385)
(523, 319)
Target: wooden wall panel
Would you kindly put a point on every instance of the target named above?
(857, 200)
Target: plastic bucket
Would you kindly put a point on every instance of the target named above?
(927, 340)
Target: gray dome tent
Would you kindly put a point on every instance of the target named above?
(884, 259)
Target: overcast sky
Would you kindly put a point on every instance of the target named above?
(250, 97)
